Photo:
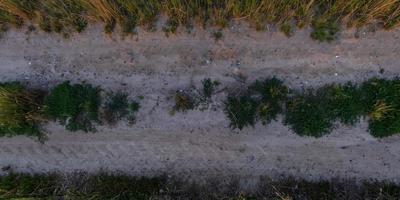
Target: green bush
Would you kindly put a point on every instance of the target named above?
(118, 107)
(324, 31)
(382, 101)
(74, 105)
(209, 87)
(287, 29)
(241, 111)
(20, 111)
(345, 102)
(272, 94)
(309, 114)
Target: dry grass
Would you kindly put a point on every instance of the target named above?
(216, 12)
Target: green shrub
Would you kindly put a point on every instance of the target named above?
(118, 107)
(272, 94)
(345, 102)
(241, 111)
(209, 87)
(309, 114)
(382, 100)
(287, 29)
(324, 31)
(74, 105)
(20, 111)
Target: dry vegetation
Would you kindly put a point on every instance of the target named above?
(66, 15)
(115, 186)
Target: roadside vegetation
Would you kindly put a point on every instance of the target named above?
(325, 17)
(312, 112)
(20, 110)
(76, 106)
(315, 112)
(116, 186)
(118, 107)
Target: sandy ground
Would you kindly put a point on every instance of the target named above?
(199, 143)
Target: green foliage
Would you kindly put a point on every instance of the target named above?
(74, 105)
(287, 29)
(271, 94)
(309, 114)
(209, 87)
(263, 101)
(118, 107)
(20, 110)
(241, 111)
(345, 102)
(382, 100)
(324, 31)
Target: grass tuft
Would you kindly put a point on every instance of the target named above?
(20, 111)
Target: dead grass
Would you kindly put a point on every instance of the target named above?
(219, 12)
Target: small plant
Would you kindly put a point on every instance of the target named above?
(287, 29)
(218, 35)
(183, 101)
(209, 87)
(74, 105)
(118, 107)
(271, 94)
(309, 114)
(20, 111)
(171, 26)
(80, 24)
(110, 26)
(241, 111)
(324, 31)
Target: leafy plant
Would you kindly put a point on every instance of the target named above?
(287, 29)
(345, 102)
(20, 111)
(241, 111)
(309, 114)
(74, 105)
(118, 107)
(382, 100)
(209, 87)
(324, 31)
(271, 94)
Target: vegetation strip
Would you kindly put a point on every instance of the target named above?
(76, 106)
(66, 16)
(312, 112)
(116, 186)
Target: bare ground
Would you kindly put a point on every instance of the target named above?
(200, 143)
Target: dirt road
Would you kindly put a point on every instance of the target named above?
(200, 143)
